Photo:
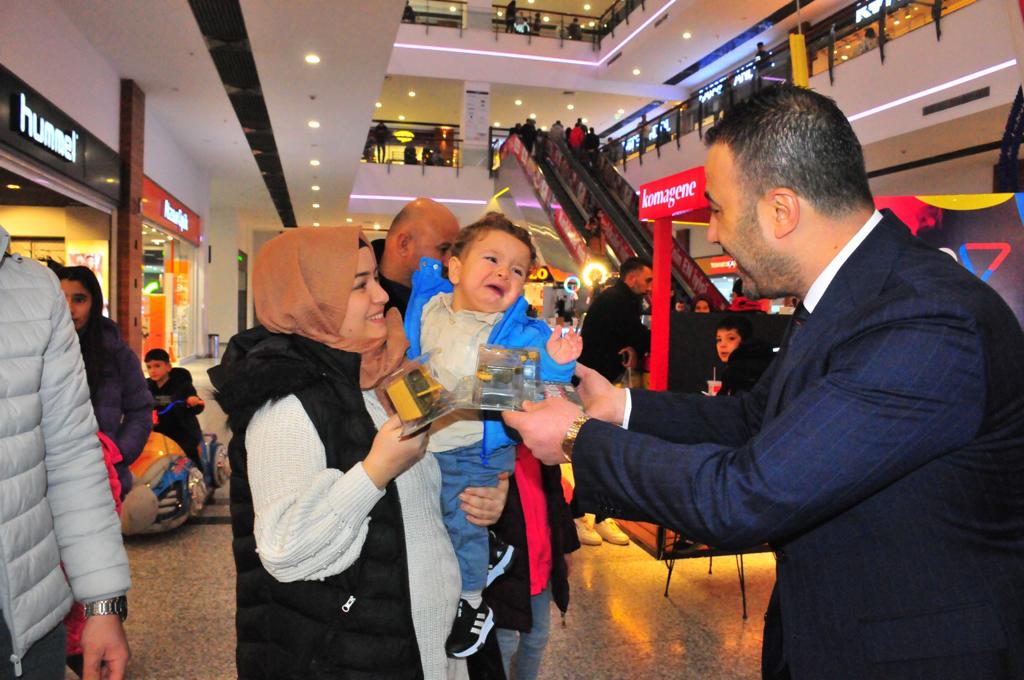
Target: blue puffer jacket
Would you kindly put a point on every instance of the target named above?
(515, 329)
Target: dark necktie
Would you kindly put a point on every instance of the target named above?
(800, 317)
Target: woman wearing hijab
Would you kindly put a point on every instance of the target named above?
(344, 565)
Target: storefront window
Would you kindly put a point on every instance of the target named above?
(168, 285)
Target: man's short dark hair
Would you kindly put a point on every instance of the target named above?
(633, 264)
(492, 221)
(788, 136)
(158, 355)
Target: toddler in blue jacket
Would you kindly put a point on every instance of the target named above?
(481, 303)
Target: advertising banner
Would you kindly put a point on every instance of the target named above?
(983, 232)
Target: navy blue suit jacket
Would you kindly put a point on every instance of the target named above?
(882, 455)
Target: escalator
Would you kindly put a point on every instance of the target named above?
(569, 195)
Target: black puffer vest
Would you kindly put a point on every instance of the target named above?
(357, 624)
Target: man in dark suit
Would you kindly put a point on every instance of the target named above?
(423, 228)
(881, 454)
(612, 324)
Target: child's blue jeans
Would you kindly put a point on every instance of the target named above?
(460, 468)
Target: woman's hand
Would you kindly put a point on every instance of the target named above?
(483, 504)
(564, 349)
(391, 454)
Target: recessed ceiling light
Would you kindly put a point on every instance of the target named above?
(547, 18)
(636, 71)
(499, 13)
(452, 8)
(314, 162)
(400, 117)
(312, 59)
(896, 22)
(378, 105)
(315, 187)
(570, 107)
(845, 57)
(543, 128)
(110, 180)
(584, 120)
(519, 102)
(586, 8)
(591, 24)
(530, 1)
(412, 93)
(348, 219)
(14, 187)
(316, 205)
(621, 111)
(316, 224)
(687, 35)
(496, 124)
(533, 116)
(376, 225)
(313, 124)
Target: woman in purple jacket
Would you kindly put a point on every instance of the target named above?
(120, 398)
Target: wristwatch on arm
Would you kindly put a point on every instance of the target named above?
(112, 605)
(569, 441)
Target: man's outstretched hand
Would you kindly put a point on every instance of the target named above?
(543, 425)
(601, 399)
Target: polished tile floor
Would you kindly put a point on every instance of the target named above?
(619, 624)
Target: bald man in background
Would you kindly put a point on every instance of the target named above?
(423, 228)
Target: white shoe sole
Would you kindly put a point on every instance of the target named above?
(484, 632)
(499, 568)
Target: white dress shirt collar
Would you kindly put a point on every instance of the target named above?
(821, 284)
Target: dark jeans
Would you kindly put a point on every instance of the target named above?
(43, 661)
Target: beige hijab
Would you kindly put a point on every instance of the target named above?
(302, 280)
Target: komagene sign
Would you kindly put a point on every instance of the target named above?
(673, 195)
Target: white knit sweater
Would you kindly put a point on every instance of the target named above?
(311, 521)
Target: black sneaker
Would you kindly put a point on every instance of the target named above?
(500, 558)
(470, 630)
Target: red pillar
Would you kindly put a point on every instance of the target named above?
(128, 306)
(661, 295)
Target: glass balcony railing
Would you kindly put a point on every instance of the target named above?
(397, 142)
(850, 33)
(529, 20)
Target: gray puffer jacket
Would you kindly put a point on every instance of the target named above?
(55, 501)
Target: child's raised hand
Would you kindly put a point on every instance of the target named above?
(566, 347)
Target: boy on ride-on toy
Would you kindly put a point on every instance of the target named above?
(177, 403)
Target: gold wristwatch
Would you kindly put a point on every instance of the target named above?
(569, 440)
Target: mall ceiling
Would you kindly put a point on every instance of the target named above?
(160, 45)
(16, 190)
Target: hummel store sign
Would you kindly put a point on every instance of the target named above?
(43, 132)
(34, 128)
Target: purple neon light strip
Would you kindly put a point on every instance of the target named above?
(533, 57)
(932, 90)
(375, 197)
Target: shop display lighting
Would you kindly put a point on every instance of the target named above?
(316, 205)
(412, 93)
(314, 162)
(687, 35)
(519, 102)
(378, 105)
(314, 124)
(312, 59)
(315, 187)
